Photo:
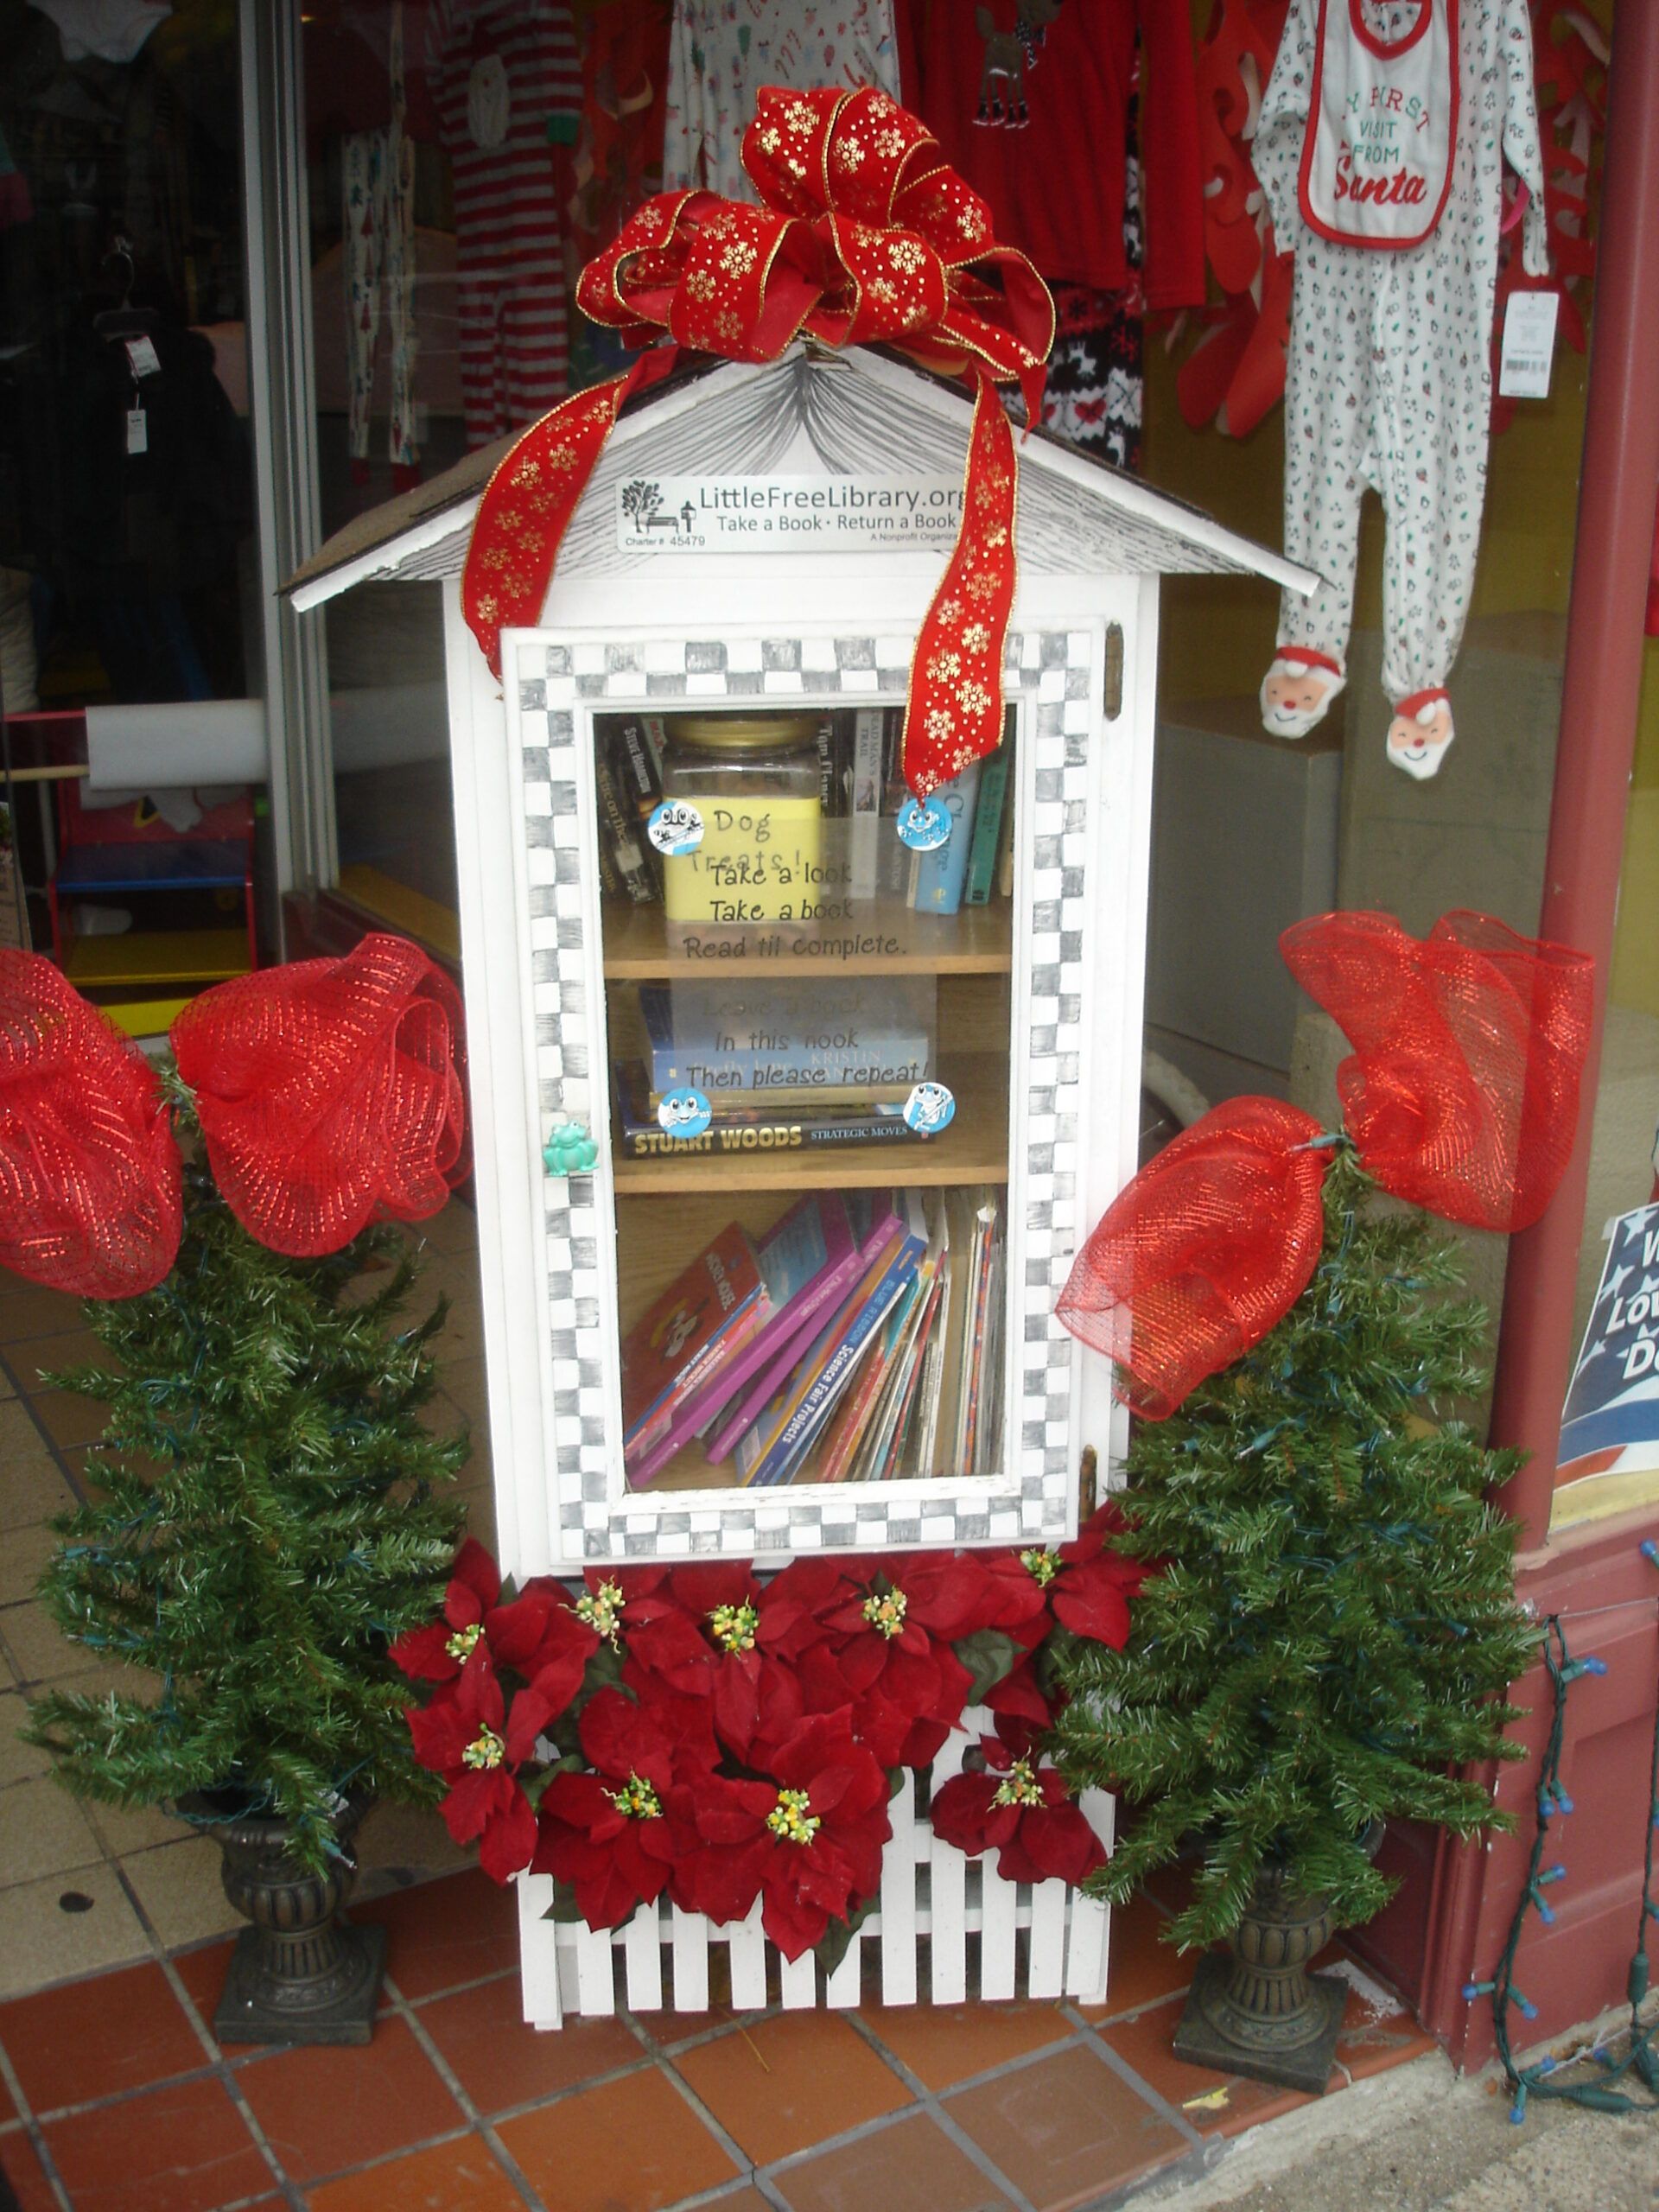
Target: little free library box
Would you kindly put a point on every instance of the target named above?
(787, 1124)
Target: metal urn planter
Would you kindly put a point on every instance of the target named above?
(1259, 2012)
(296, 1975)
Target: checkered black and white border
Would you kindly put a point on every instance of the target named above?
(1051, 675)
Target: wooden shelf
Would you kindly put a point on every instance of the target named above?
(974, 1149)
(141, 957)
(977, 941)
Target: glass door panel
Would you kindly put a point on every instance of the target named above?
(809, 1027)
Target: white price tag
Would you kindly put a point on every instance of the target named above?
(137, 430)
(141, 356)
(1529, 345)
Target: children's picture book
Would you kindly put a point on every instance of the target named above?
(700, 1322)
(771, 1451)
(873, 1220)
(806, 1260)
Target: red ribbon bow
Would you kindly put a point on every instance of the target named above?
(328, 1091)
(89, 1172)
(866, 237)
(1462, 1095)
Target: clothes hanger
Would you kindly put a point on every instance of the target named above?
(126, 320)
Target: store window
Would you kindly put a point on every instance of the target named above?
(128, 568)
(440, 143)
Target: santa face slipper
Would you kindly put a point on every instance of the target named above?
(1421, 734)
(1297, 690)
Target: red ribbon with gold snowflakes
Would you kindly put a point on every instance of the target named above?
(865, 236)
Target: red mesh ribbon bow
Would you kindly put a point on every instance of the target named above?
(329, 1090)
(1462, 1095)
(89, 1172)
(866, 237)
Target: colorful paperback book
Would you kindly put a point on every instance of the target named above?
(807, 1261)
(699, 1323)
(944, 871)
(786, 1433)
(817, 1036)
(872, 1221)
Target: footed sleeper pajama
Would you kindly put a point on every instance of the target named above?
(1388, 377)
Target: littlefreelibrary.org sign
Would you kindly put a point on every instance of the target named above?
(726, 514)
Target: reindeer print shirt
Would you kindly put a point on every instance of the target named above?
(723, 51)
(1030, 101)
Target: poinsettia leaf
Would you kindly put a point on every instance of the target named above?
(990, 1655)
(832, 1948)
(564, 1908)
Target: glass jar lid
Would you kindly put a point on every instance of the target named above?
(742, 732)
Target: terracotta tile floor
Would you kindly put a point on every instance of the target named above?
(114, 2097)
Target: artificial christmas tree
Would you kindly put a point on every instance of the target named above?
(1333, 1627)
(273, 1509)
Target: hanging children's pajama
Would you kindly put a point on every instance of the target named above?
(377, 188)
(722, 51)
(1381, 148)
(501, 69)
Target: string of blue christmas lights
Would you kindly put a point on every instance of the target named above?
(1640, 2060)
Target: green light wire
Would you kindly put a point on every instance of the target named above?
(1641, 2059)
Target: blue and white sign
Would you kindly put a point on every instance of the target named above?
(1612, 1415)
(683, 1113)
(675, 827)
(924, 824)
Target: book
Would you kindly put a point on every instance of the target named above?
(845, 1435)
(620, 825)
(639, 760)
(783, 1098)
(942, 873)
(821, 1126)
(806, 1260)
(869, 733)
(822, 1035)
(987, 826)
(873, 1220)
(770, 1450)
(703, 1319)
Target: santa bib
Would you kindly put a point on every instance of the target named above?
(1376, 162)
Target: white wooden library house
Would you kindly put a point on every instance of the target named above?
(751, 654)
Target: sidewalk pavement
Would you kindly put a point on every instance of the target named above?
(1420, 2139)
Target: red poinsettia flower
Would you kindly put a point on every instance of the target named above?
(469, 1737)
(894, 1630)
(807, 1840)
(1017, 1584)
(329, 1091)
(615, 1835)
(750, 1692)
(1020, 1696)
(538, 1635)
(1020, 1809)
(89, 1172)
(1091, 1592)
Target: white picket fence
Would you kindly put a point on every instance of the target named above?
(985, 1938)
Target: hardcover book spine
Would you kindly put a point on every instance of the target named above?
(943, 872)
(868, 732)
(621, 831)
(988, 828)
